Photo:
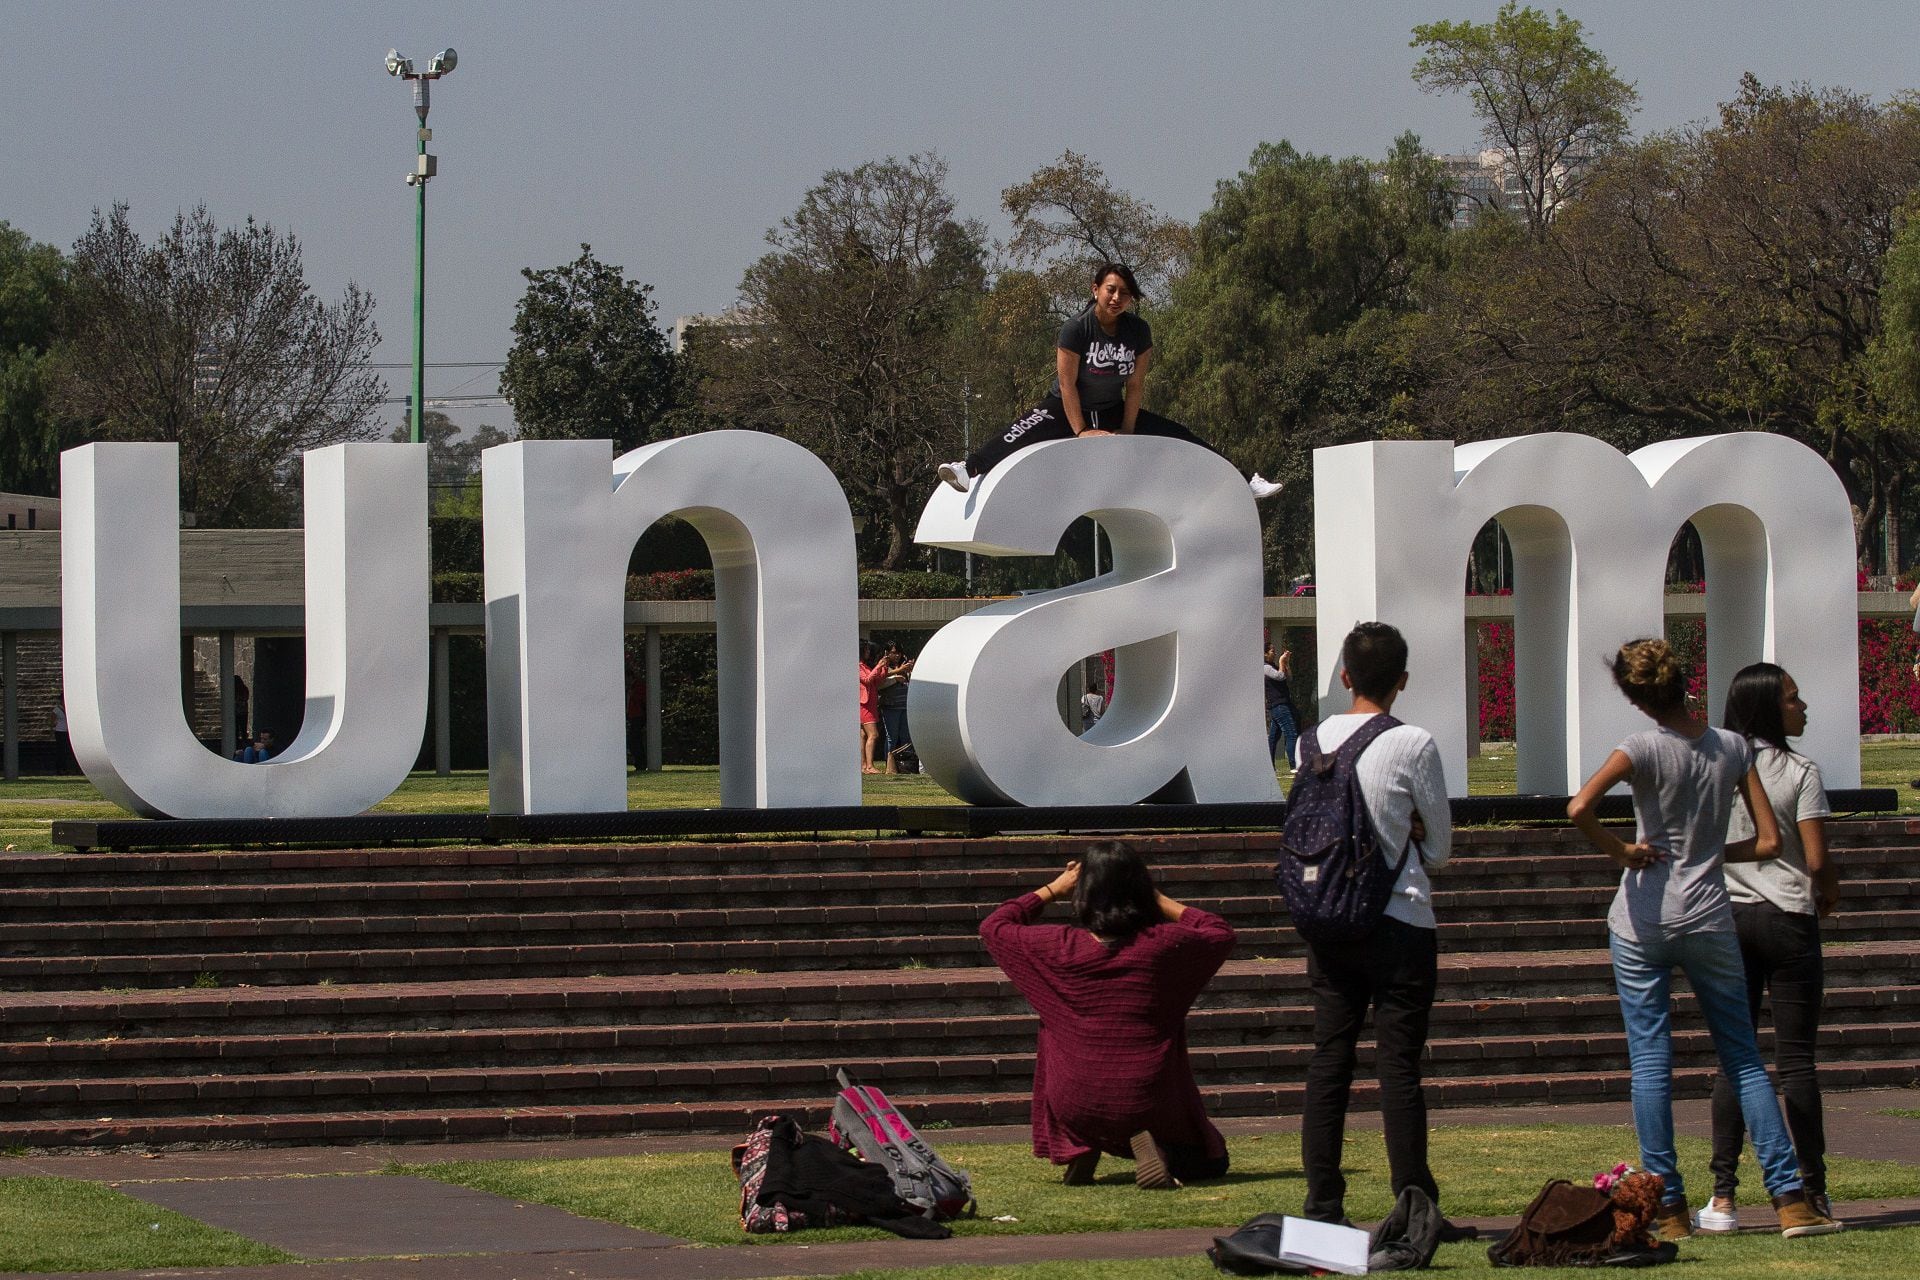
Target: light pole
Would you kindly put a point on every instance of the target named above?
(426, 167)
(966, 450)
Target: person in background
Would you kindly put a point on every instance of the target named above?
(1777, 906)
(1282, 729)
(873, 673)
(1093, 705)
(636, 716)
(1672, 911)
(1112, 990)
(893, 704)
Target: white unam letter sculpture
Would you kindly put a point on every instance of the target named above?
(1181, 607)
(366, 621)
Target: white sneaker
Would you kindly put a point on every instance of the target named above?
(955, 476)
(1262, 487)
(1712, 1218)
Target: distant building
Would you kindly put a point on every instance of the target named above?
(729, 326)
(1487, 179)
(29, 511)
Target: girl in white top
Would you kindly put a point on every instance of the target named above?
(1777, 907)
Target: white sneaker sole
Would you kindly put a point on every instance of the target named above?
(951, 477)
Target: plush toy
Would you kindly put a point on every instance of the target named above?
(1635, 1201)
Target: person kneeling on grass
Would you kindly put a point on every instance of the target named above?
(1111, 1072)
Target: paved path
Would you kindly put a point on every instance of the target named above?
(262, 1194)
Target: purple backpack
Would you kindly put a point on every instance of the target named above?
(1331, 873)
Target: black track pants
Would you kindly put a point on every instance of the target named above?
(1048, 421)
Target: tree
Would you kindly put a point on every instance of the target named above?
(588, 362)
(211, 339)
(1288, 332)
(452, 462)
(1548, 100)
(33, 281)
(1719, 278)
(847, 334)
(1067, 216)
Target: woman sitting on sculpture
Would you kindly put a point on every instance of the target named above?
(1111, 1072)
(1099, 386)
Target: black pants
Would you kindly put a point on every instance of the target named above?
(1782, 954)
(1395, 969)
(1048, 421)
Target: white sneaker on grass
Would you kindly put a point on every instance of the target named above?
(954, 476)
(1262, 487)
(1714, 1217)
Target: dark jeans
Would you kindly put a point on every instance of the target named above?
(1395, 969)
(1782, 954)
(893, 723)
(1282, 731)
(1048, 421)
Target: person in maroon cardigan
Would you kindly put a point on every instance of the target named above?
(1111, 1072)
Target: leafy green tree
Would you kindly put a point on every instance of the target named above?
(1289, 331)
(846, 335)
(211, 339)
(588, 362)
(453, 462)
(33, 281)
(1548, 100)
(1719, 278)
(1068, 216)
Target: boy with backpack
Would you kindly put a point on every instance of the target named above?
(1367, 788)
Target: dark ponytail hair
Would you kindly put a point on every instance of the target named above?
(1115, 897)
(1753, 704)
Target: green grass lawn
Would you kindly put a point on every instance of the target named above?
(29, 806)
(63, 1224)
(1852, 1255)
(1483, 1171)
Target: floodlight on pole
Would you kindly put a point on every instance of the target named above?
(426, 166)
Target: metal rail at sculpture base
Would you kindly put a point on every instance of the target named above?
(372, 829)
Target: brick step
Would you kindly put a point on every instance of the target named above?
(879, 1033)
(736, 1117)
(601, 952)
(1471, 881)
(1462, 913)
(595, 1082)
(759, 999)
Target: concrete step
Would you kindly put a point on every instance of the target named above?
(430, 1124)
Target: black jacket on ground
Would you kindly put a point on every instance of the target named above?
(808, 1173)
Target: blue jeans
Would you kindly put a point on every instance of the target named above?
(1642, 973)
(1282, 732)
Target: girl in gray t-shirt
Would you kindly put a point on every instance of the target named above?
(1672, 911)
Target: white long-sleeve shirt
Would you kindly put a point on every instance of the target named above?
(1400, 775)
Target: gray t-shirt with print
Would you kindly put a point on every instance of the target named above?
(1795, 790)
(1106, 359)
(1683, 790)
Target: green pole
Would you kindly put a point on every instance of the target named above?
(420, 297)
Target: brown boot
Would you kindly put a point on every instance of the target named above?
(1150, 1172)
(1671, 1221)
(1080, 1169)
(1800, 1218)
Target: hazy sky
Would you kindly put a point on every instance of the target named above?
(672, 136)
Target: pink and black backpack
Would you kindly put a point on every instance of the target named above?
(866, 1121)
